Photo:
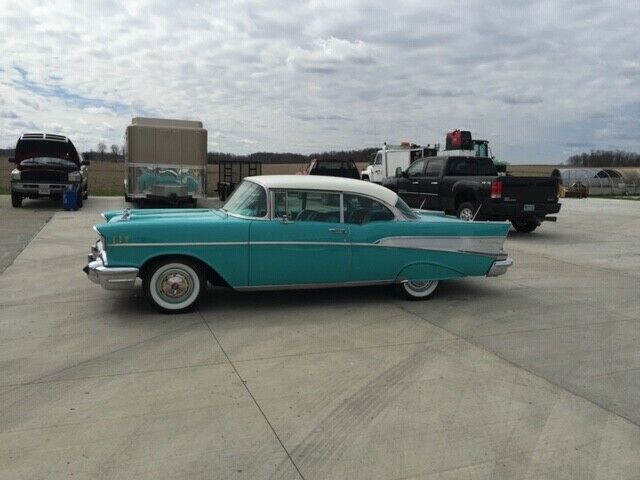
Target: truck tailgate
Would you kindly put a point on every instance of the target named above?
(530, 189)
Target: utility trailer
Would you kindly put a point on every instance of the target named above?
(165, 160)
(231, 173)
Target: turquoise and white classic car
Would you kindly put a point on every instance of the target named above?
(292, 231)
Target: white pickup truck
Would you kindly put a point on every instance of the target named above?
(391, 157)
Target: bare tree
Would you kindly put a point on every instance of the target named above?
(101, 149)
(114, 152)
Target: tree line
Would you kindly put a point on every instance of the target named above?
(358, 156)
(605, 158)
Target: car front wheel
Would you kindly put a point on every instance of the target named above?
(16, 200)
(174, 285)
(417, 290)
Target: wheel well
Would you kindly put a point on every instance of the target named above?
(464, 196)
(213, 277)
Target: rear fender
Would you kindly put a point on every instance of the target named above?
(427, 271)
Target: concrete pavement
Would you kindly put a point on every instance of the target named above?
(529, 375)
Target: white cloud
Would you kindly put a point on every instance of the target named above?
(531, 76)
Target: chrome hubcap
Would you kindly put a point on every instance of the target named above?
(174, 285)
(466, 214)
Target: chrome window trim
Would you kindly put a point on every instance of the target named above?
(247, 217)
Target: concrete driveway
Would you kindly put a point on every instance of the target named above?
(535, 374)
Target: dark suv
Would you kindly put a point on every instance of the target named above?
(45, 165)
(333, 168)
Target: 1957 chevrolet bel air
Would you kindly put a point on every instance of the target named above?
(292, 231)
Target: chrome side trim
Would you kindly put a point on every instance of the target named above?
(300, 286)
(474, 245)
(491, 246)
(500, 267)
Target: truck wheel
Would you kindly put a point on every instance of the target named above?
(524, 225)
(466, 211)
(417, 290)
(16, 200)
(174, 285)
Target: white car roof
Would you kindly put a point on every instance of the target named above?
(319, 182)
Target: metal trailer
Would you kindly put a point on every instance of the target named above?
(231, 173)
(165, 160)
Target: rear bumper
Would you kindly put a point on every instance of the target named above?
(500, 267)
(507, 211)
(109, 278)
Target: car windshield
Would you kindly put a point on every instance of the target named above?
(47, 161)
(248, 200)
(406, 210)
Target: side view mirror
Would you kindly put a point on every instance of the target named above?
(399, 172)
(12, 159)
(85, 163)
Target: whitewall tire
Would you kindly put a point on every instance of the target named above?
(417, 290)
(174, 286)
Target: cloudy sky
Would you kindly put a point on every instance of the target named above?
(539, 79)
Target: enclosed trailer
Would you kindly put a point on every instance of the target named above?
(165, 160)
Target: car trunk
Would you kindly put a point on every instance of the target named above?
(529, 189)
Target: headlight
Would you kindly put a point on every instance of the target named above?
(15, 175)
(75, 177)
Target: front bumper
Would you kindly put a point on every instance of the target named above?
(500, 266)
(43, 189)
(109, 278)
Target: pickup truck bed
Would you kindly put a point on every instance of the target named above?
(470, 187)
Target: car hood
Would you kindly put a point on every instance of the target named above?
(163, 214)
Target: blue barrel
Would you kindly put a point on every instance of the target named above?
(70, 198)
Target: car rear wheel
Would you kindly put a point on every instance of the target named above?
(16, 200)
(417, 290)
(466, 211)
(174, 285)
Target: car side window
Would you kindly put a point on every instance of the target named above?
(461, 167)
(307, 206)
(433, 168)
(416, 168)
(360, 210)
(378, 159)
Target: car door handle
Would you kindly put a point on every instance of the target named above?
(341, 231)
(434, 183)
(415, 183)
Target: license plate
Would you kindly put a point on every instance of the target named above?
(528, 207)
(44, 190)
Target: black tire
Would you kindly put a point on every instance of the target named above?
(466, 211)
(417, 290)
(187, 274)
(127, 198)
(80, 201)
(16, 200)
(525, 225)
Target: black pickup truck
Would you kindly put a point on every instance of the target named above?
(470, 187)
